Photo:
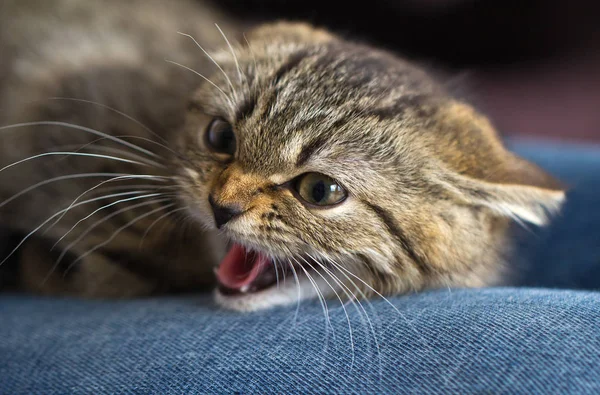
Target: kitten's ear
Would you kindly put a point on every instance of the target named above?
(290, 32)
(522, 202)
(487, 174)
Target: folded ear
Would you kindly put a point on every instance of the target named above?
(521, 202)
(483, 172)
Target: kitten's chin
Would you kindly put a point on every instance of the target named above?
(285, 293)
(250, 280)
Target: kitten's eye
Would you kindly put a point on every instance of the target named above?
(219, 137)
(320, 190)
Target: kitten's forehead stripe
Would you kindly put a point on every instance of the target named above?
(246, 108)
(398, 108)
(309, 150)
(407, 245)
(292, 62)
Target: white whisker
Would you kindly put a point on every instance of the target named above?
(157, 221)
(213, 60)
(369, 322)
(253, 58)
(153, 142)
(146, 128)
(112, 237)
(274, 260)
(235, 59)
(139, 138)
(95, 224)
(231, 104)
(119, 177)
(282, 267)
(299, 297)
(78, 127)
(339, 298)
(72, 154)
(112, 150)
(61, 178)
(323, 304)
(57, 214)
(319, 294)
(100, 209)
(341, 267)
(145, 186)
(400, 314)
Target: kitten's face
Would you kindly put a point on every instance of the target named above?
(346, 170)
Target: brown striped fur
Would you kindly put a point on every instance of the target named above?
(432, 190)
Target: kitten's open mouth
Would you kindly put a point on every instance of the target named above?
(249, 280)
(244, 271)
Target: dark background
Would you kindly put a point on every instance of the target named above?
(532, 65)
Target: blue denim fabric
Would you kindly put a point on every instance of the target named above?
(500, 340)
(566, 254)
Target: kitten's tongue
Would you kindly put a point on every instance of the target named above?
(241, 268)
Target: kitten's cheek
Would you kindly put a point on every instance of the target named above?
(245, 225)
(196, 201)
(347, 208)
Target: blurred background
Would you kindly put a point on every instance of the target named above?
(533, 66)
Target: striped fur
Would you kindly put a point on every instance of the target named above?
(432, 190)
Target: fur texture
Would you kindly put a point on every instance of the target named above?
(431, 189)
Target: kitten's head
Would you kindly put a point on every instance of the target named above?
(341, 167)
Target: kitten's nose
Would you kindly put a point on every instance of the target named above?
(223, 214)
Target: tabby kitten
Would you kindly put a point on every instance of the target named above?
(294, 161)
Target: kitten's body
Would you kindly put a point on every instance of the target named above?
(111, 53)
(431, 190)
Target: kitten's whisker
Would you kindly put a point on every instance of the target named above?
(337, 266)
(230, 102)
(364, 297)
(184, 220)
(282, 271)
(274, 260)
(24, 239)
(341, 267)
(157, 221)
(146, 128)
(97, 223)
(78, 148)
(323, 304)
(212, 60)
(118, 177)
(299, 291)
(339, 298)
(148, 187)
(61, 178)
(112, 237)
(235, 59)
(67, 153)
(370, 323)
(253, 58)
(319, 294)
(82, 128)
(177, 154)
(362, 311)
(100, 209)
(400, 314)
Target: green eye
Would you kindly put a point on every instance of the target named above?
(319, 190)
(219, 137)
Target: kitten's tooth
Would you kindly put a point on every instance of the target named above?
(245, 289)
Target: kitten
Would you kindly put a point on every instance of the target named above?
(297, 162)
